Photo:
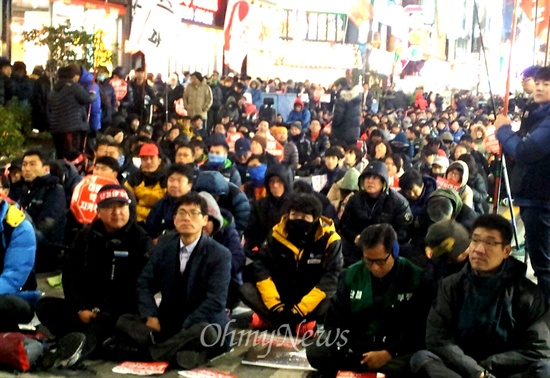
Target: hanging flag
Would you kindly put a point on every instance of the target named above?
(237, 31)
(155, 26)
(542, 15)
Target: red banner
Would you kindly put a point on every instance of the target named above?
(446, 184)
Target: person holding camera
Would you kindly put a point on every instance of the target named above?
(100, 274)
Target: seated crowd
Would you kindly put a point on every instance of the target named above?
(387, 243)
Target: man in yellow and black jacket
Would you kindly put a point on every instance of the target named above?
(296, 272)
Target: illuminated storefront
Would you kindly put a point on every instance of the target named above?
(177, 37)
(101, 18)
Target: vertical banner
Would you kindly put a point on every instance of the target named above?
(237, 31)
(541, 18)
(155, 26)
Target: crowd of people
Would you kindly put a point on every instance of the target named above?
(350, 213)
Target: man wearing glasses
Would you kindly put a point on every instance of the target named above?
(375, 320)
(487, 320)
(192, 272)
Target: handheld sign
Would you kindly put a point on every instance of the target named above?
(83, 201)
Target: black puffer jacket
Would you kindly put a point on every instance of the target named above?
(362, 211)
(346, 122)
(67, 111)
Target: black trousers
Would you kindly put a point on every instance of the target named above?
(14, 311)
(251, 297)
(192, 338)
(326, 359)
(60, 319)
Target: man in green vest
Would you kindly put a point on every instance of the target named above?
(375, 320)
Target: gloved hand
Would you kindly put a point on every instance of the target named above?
(277, 314)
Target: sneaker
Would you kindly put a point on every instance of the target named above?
(121, 349)
(308, 327)
(190, 359)
(69, 350)
(259, 323)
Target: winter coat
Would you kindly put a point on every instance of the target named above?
(418, 207)
(362, 211)
(531, 175)
(333, 176)
(479, 192)
(227, 235)
(44, 201)
(161, 217)
(197, 99)
(346, 121)
(304, 148)
(87, 81)
(299, 277)
(39, 102)
(108, 103)
(148, 189)
(465, 192)
(68, 107)
(173, 95)
(102, 268)
(17, 256)
(495, 322)
(22, 88)
(267, 212)
(378, 319)
(256, 97)
(290, 156)
(72, 178)
(303, 116)
(319, 145)
(6, 91)
(228, 195)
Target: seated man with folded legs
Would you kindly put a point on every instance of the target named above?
(488, 319)
(192, 272)
(375, 320)
(296, 270)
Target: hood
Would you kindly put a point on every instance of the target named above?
(299, 102)
(283, 173)
(325, 226)
(451, 195)
(86, 78)
(462, 166)
(350, 180)
(400, 138)
(378, 168)
(352, 94)
(430, 184)
(212, 182)
(213, 211)
(72, 177)
(61, 83)
(477, 128)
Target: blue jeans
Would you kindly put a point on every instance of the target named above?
(537, 240)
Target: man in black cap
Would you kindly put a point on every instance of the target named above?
(243, 152)
(100, 274)
(6, 91)
(218, 160)
(375, 203)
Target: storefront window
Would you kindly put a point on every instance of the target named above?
(316, 26)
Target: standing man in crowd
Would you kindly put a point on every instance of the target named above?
(346, 122)
(532, 177)
(197, 97)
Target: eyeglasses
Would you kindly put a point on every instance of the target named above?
(191, 214)
(486, 243)
(379, 262)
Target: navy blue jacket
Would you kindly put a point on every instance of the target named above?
(531, 176)
(207, 284)
(161, 217)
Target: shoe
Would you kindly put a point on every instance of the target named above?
(118, 349)
(189, 359)
(69, 350)
(306, 328)
(259, 323)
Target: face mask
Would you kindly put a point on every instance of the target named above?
(101, 77)
(121, 160)
(257, 174)
(298, 230)
(216, 160)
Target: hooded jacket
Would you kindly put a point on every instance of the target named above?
(229, 196)
(87, 81)
(466, 193)
(462, 214)
(17, 256)
(418, 207)
(304, 115)
(362, 211)
(267, 212)
(300, 277)
(67, 107)
(497, 322)
(227, 169)
(346, 122)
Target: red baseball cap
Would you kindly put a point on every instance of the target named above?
(149, 149)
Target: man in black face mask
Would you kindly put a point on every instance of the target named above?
(297, 269)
